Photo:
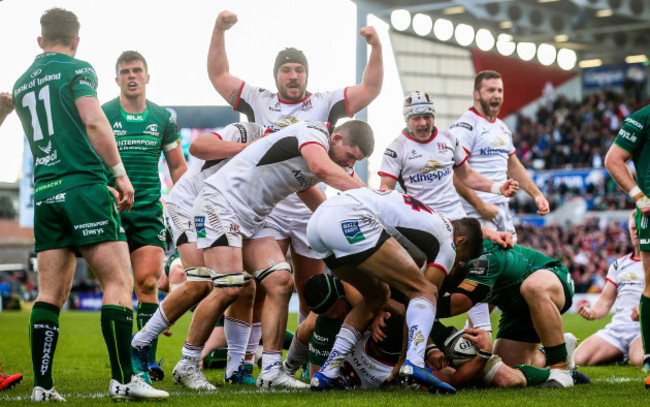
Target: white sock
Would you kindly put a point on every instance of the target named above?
(302, 315)
(237, 335)
(271, 362)
(254, 339)
(479, 314)
(191, 354)
(345, 341)
(298, 353)
(420, 314)
(152, 330)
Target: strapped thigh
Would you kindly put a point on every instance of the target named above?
(260, 275)
(218, 280)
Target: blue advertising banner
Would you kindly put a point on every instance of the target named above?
(612, 76)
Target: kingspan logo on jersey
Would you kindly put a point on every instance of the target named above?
(303, 181)
(432, 171)
(51, 157)
(152, 130)
(496, 147)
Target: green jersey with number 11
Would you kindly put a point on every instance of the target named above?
(44, 97)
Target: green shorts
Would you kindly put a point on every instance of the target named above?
(642, 230)
(515, 322)
(79, 216)
(322, 340)
(144, 227)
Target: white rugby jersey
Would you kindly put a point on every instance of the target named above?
(424, 233)
(425, 170)
(626, 273)
(268, 109)
(362, 370)
(267, 171)
(489, 146)
(190, 184)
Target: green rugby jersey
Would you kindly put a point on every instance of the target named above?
(140, 139)
(634, 137)
(503, 270)
(44, 98)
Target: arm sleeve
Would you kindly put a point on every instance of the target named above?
(84, 83)
(391, 164)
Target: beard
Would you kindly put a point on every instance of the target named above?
(487, 108)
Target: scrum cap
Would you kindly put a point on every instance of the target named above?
(417, 103)
(322, 291)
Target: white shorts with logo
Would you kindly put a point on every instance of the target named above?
(345, 234)
(217, 224)
(292, 228)
(180, 223)
(620, 335)
(503, 222)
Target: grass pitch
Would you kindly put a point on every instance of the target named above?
(82, 373)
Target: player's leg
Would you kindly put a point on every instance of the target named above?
(221, 260)
(147, 262)
(298, 353)
(644, 306)
(176, 304)
(513, 352)
(271, 270)
(545, 296)
(55, 275)
(595, 351)
(635, 352)
(110, 263)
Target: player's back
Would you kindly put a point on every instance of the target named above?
(45, 97)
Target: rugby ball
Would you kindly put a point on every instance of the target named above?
(459, 350)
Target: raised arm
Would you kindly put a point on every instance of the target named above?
(102, 140)
(517, 172)
(360, 96)
(6, 106)
(218, 67)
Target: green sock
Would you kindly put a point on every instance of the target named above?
(43, 335)
(144, 314)
(440, 332)
(288, 337)
(644, 317)
(534, 375)
(216, 359)
(117, 328)
(555, 354)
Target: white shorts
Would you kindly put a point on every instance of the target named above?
(217, 224)
(180, 223)
(292, 228)
(503, 222)
(620, 335)
(345, 234)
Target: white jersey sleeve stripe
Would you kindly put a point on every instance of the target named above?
(385, 174)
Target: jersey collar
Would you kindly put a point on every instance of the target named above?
(307, 96)
(135, 117)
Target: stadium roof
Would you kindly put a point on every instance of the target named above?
(609, 30)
